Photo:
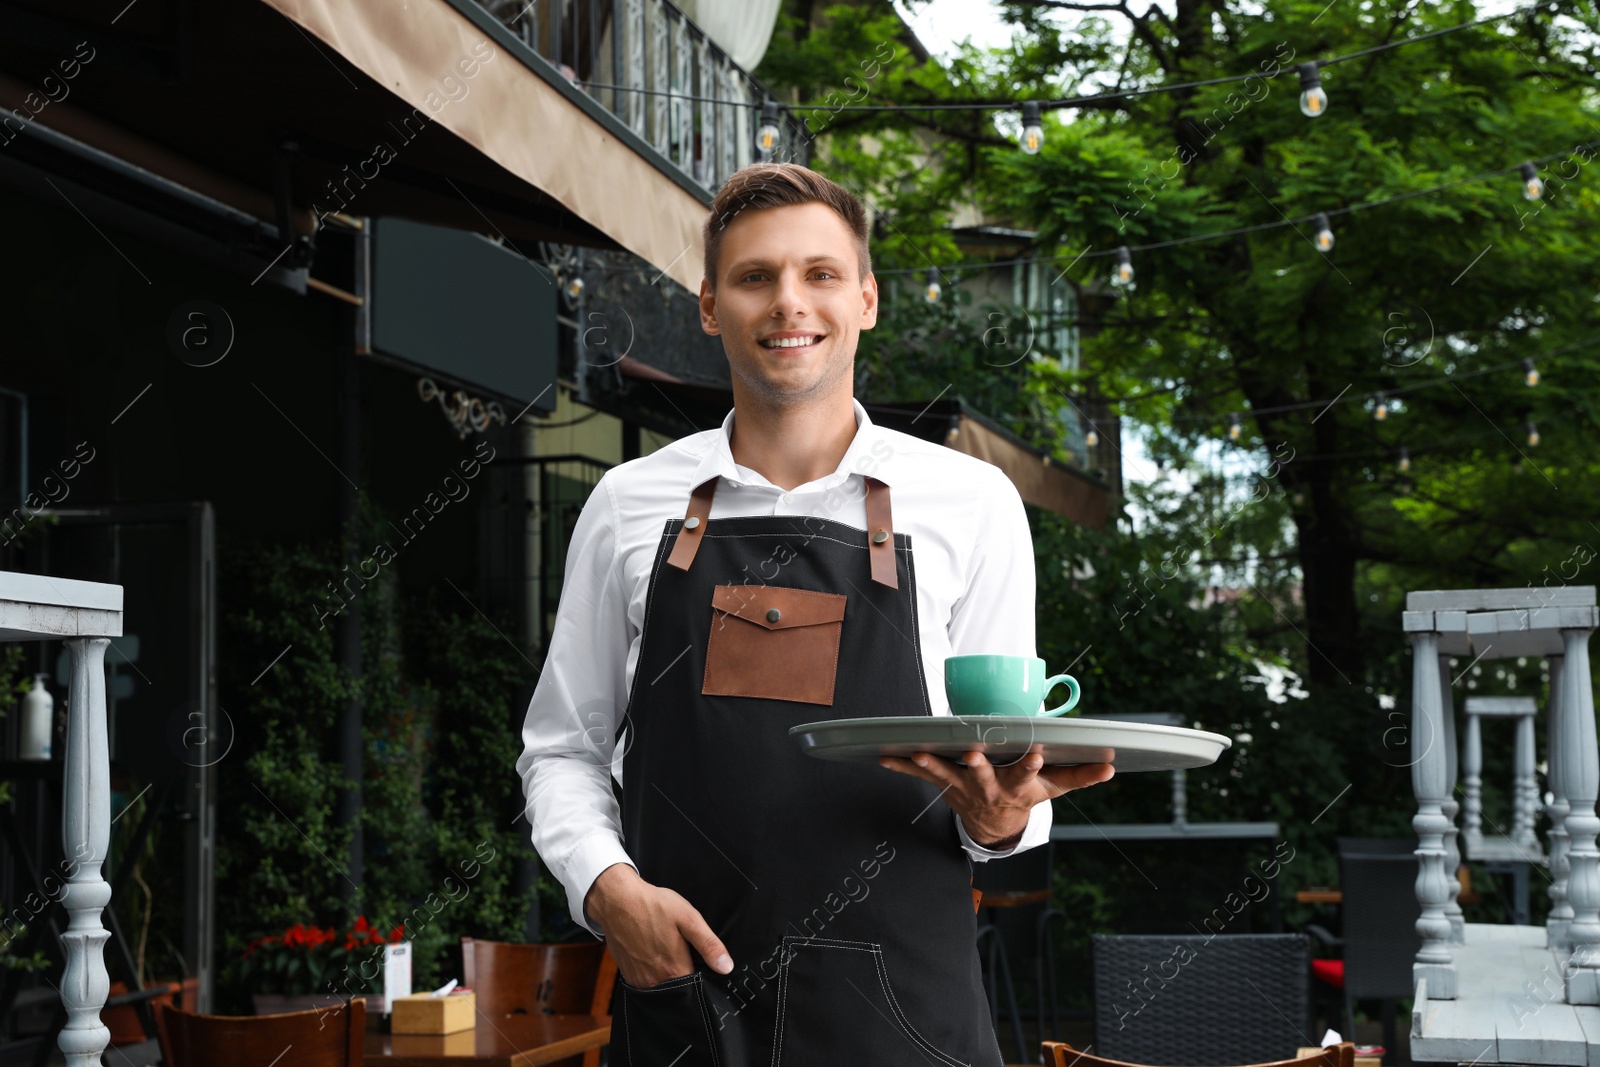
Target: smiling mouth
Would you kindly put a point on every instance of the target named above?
(791, 344)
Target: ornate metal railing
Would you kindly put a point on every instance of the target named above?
(657, 72)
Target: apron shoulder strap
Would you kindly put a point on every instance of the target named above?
(880, 534)
(694, 525)
(880, 530)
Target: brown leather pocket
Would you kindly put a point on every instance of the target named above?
(772, 642)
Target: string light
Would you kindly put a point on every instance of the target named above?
(1122, 273)
(931, 293)
(1096, 98)
(1032, 131)
(767, 135)
(1532, 373)
(1532, 187)
(1313, 101)
(574, 286)
(1380, 410)
(1405, 461)
(1235, 428)
(1324, 233)
(1533, 435)
(1091, 438)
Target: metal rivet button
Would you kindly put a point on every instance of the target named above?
(880, 537)
(691, 522)
(773, 614)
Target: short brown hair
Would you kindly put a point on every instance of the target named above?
(763, 185)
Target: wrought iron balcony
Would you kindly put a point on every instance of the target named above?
(658, 73)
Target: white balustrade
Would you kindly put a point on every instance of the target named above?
(85, 614)
(1434, 963)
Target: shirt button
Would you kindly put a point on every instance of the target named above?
(785, 498)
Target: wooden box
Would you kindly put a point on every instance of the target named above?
(422, 1013)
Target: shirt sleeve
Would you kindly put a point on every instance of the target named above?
(996, 614)
(569, 734)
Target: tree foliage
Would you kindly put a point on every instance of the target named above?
(1257, 584)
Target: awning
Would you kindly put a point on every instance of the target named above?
(376, 100)
(668, 405)
(1040, 480)
(473, 78)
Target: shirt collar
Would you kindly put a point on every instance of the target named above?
(718, 460)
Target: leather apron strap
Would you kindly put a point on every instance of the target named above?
(880, 530)
(694, 525)
(880, 534)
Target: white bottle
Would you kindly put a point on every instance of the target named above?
(38, 721)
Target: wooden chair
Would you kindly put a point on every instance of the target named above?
(329, 1037)
(520, 979)
(1061, 1054)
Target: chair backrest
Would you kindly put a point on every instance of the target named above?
(516, 979)
(1378, 880)
(1061, 1054)
(1029, 869)
(327, 1037)
(1201, 1000)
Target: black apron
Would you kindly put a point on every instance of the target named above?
(841, 890)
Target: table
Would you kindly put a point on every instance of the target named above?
(510, 1041)
(1319, 896)
(1494, 1018)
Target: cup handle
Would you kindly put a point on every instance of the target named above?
(1072, 701)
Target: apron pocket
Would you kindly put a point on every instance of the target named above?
(669, 1023)
(837, 1006)
(769, 641)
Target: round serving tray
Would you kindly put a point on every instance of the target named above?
(1129, 746)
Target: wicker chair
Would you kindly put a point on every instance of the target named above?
(1198, 1000)
(1060, 1054)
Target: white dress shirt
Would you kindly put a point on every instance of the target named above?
(975, 593)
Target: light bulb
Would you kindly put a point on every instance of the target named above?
(1313, 101)
(574, 286)
(1532, 373)
(1532, 187)
(1324, 237)
(1122, 273)
(1032, 131)
(1091, 438)
(767, 136)
(1234, 428)
(1381, 410)
(931, 293)
(1533, 435)
(1405, 461)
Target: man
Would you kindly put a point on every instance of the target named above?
(763, 906)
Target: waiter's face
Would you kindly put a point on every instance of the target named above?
(782, 272)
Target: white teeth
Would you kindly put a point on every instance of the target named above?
(789, 342)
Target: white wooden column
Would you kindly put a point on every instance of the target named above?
(1452, 848)
(1434, 962)
(85, 833)
(1556, 837)
(1524, 787)
(1580, 775)
(1472, 782)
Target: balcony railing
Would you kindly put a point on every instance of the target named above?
(658, 73)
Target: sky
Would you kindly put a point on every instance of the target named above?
(944, 23)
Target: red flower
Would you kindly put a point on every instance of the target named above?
(398, 934)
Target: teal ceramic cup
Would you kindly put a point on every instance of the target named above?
(1003, 685)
